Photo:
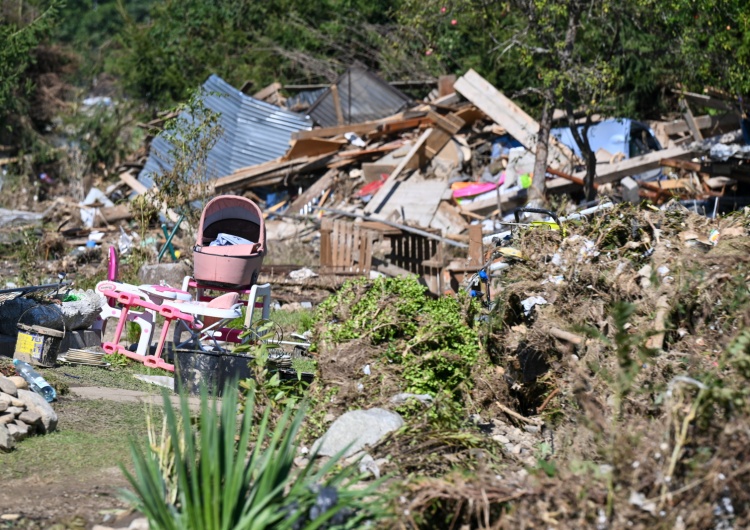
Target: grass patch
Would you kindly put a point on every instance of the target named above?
(92, 435)
(114, 377)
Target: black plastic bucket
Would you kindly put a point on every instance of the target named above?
(236, 366)
(195, 370)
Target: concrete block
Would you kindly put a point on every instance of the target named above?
(630, 190)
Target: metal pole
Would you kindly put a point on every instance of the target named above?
(168, 244)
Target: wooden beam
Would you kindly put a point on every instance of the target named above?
(704, 123)
(328, 132)
(634, 166)
(337, 104)
(690, 120)
(267, 92)
(140, 189)
(508, 115)
(707, 101)
(313, 147)
(687, 165)
(314, 191)
(414, 151)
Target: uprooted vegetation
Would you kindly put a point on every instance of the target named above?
(636, 415)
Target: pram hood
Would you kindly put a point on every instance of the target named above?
(234, 215)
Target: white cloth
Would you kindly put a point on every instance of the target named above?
(223, 239)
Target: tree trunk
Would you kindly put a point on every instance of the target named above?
(582, 140)
(538, 184)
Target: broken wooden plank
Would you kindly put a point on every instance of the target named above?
(708, 123)
(708, 101)
(445, 128)
(267, 92)
(337, 104)
(687, 165)
(445, 85)
(690, 120)
(508, 115)
(329, 132)
(448, 219)
(118, 212)
(314, 191)
(140, 189)
(634, 166)
(413, 154)
(307, 147)
(273, 170)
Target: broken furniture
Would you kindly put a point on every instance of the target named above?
(347, 248)
(204, 328)
(131, 299)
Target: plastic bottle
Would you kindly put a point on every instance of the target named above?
(35, 380)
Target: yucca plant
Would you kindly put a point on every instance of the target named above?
(226, 481)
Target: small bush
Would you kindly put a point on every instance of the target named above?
(209, 475)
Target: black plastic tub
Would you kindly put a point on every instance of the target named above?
(195, 370)
(236, 366)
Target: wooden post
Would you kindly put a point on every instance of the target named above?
(476, 252)
(325, 246)
(337, 104)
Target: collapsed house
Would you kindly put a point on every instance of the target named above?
(411, 178)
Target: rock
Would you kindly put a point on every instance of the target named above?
(6, 398)
(139, 524)
(6, 418)
(15, 432)
(501, 439)
(369, 465)
(355, 429)
(15, 402)
(171, 273)
(22, 427)
(400, 399)
(7, 386)
(7, 443)
(36, 403)
(14, 410)
(20, 382)
(30, 417)
(4, 406)
(10, 516)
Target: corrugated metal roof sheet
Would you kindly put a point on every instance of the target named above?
(253, 132)
(363, 97)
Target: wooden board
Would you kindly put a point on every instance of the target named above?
(329, 132)
(448, 219)
(418, 199)
(313, 147)
(634, 166)
(508, 115)
(372, 171)
(140, 189)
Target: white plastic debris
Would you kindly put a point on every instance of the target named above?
(355, 140)
(531, 302)
(91, 204)
(125, 243)
(302, 274)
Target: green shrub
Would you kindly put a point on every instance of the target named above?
(432, 339)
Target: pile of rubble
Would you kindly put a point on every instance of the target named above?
(22, 412)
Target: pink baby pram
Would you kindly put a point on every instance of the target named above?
(234, 266)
